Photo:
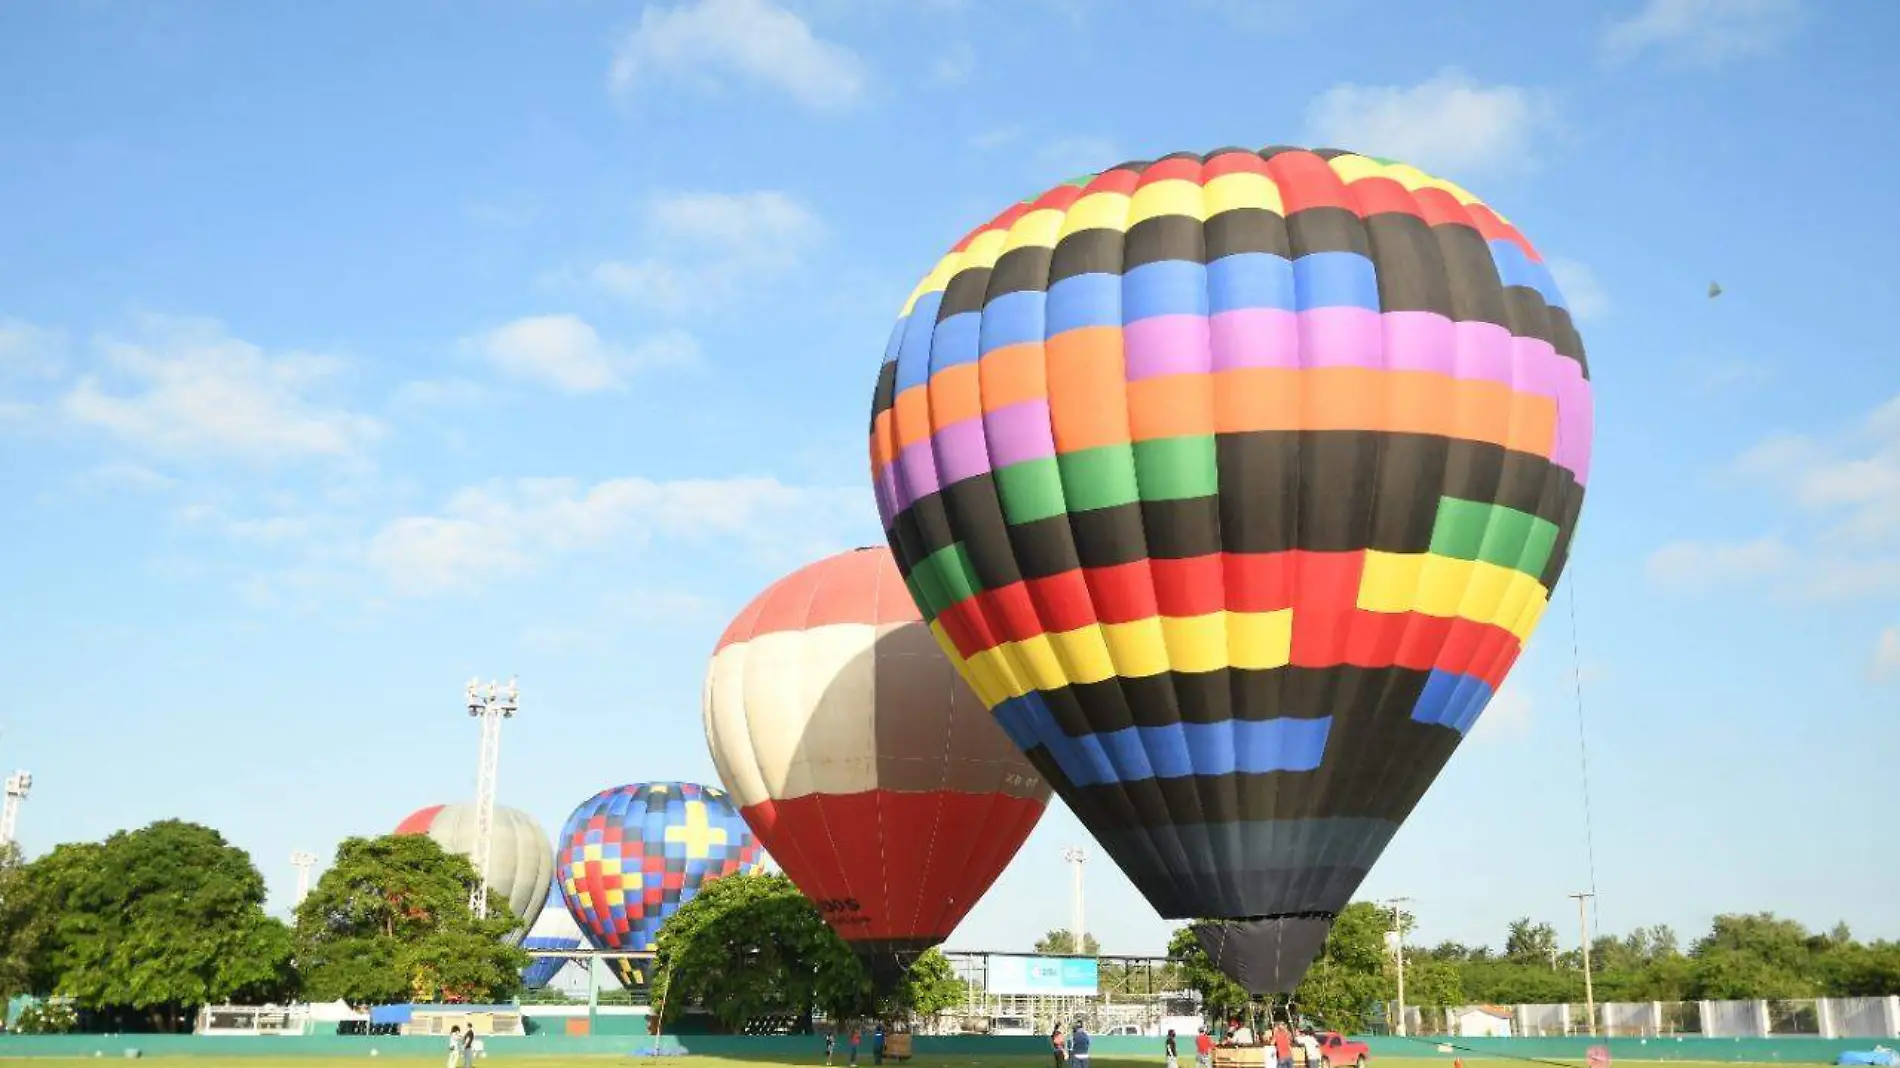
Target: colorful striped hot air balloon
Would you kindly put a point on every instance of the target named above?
(630, 856)
(862, 761)
(1234, 484)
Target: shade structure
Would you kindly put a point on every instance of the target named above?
(862, 760)
(520, 857)
(1234, 484)
(631, 855)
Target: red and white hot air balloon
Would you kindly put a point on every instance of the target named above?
(861, 759)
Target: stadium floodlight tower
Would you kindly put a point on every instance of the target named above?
(303, 862)
(19, 784)
(491, 705)
(1076, 857)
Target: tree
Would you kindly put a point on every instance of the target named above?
(1060, 942)
(22, 927)
(152, 923)
(748, 947)
(1530, 943)
(1221, 997)
(931, 985)
(390, 921)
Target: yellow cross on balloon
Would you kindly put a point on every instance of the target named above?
(697, 834)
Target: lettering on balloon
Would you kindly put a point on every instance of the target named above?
(842, 911)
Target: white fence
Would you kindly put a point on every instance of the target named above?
(1818, 1017)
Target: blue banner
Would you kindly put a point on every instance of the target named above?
(1059, 976)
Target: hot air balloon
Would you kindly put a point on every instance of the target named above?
(1234, 485)
(862, 761)
(555, 929)
(630, 856)
(520, 857)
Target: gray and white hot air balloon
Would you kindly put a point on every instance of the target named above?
(520, 854)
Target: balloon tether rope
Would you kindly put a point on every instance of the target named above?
(1583, 750)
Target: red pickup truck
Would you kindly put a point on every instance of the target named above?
(1338, 1051)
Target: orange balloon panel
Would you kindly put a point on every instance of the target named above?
(860, 757)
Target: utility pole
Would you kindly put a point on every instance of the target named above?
(1398, 950)
(1583, 924)
(491, 706)
(1076, 858)
(303, 862)
(19, 784)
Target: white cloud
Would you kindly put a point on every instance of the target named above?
(564, 352)
(185, 386)
(1072, 157)
(269, 530)
(1887, 654)
(754, 41)
(709, 246)
(954, 66)
(127, 476)
(505, 529)
(439, 393)
(1449, 125)
(1847, 488)
(1579, 285)
(1710, 563)
(1257, 15)
(509, 210)
(1732, 374)
(1708, 33)
(991, 140)
(29, 351)
(1508, 717)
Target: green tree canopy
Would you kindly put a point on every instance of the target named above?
(23, 929)
(748, 948)
(1221, 997)
(390, 921)
(931, 986)
(1061, 941)
(1530, 943)
(152, 923)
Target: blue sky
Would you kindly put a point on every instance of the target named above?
(350, 350)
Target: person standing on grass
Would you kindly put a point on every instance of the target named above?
(1055, 1042)
(1203, 1049)
(857, 1036)
(468, 1047)
(455, 1046)
(831, 1041)
(877, 1044)
(1079, 1046)
(1168, 1051)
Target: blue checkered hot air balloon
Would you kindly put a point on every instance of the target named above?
(630, 856)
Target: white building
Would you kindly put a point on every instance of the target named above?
(1481, 1021)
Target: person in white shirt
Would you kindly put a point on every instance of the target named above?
(1243, 1035)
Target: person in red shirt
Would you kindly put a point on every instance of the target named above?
(1203, 1049)
(1283, 1045)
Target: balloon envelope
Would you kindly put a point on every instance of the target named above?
(630, 856)
(864, 763)
(555, 929)
(520, 857)
(1234, 485)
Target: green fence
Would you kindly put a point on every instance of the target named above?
(806, 1048)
